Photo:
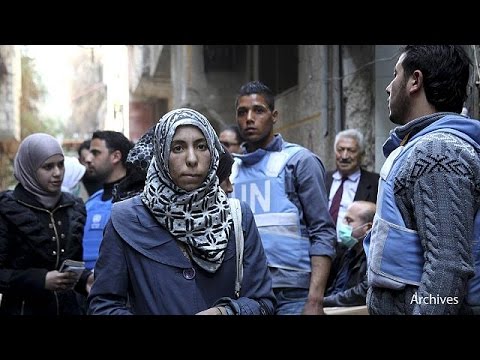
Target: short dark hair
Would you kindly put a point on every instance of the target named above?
(114, 140)
(257, 87)
(445, 69)
(83, 145)
(236, 131)
(225, 163)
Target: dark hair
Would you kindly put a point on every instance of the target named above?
(236, 130)
(83, 145)
(114, 140)
(138, 161)
(257, 87)
(445, 69)
(225, 163)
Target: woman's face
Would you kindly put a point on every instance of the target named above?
(189, 159)
(50, 174)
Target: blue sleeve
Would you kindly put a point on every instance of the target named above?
(108, 295)
(305, 186)
(256, 294)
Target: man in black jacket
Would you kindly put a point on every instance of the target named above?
(357, 183)
(347, 283)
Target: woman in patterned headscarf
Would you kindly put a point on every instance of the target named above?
(138, 161)
(40, 227)
(171, 249)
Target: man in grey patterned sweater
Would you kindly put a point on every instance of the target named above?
(423, 251)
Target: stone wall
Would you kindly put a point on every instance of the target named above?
(10, 91)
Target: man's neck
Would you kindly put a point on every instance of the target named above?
(116, 175)
(261, 144)
(422, 108)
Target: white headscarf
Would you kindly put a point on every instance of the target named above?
(199, 218)
(33, 151)
(73, 173)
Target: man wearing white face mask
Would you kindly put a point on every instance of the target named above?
(347, 283)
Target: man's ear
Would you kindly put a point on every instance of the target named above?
(416, 81)
(275, 116)
(116, 156)
(369, 226)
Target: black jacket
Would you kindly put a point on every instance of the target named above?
(367, 185)
(356, 286)
(34, 241)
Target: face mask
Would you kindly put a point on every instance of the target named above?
(345, 235)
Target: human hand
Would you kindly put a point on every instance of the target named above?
(313, 308)
(60, 281)
(217, 310)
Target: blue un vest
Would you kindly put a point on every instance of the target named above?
(395, 258)
(262, 186)
(98, 214)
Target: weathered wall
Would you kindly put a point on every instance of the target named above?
(10, 92)
(358, 95)
(212, 93)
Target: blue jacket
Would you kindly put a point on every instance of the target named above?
(395, 252)
(303, 178)
(141, 270)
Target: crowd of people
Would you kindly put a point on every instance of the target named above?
(157, 228)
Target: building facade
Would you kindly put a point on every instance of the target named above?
(10, 93)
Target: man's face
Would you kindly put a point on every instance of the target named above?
(353, 219)
(347, 156)
(84, 153)
(255, 120)
(229, 139)
(398, 101)
(100, 160)
(83, 156)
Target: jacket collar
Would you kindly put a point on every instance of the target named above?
(21, 194)
(409, 130)
(254, 157)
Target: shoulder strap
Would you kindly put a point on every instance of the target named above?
(236, 212)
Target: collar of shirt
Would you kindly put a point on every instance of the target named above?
(252, 158)
(352, 177)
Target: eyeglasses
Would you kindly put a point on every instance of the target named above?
(228, 144)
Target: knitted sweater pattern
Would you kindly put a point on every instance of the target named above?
(436, 189)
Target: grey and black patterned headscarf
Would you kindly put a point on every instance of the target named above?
(199, 218)
(33, 151)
